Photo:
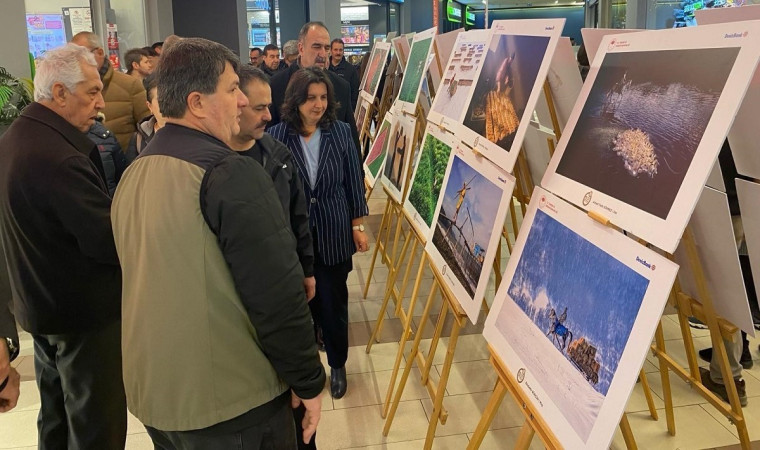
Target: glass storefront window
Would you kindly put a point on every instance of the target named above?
(260, 21)
(52, 23)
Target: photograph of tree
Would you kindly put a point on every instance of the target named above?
(577, 308)
(374, 160)
(642, 122)
(465, 222)
(428, 177)
(415, 70)
(501, 94)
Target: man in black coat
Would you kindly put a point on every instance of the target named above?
(347, 71)
(55, 227)
(9, 377)
(314, 50)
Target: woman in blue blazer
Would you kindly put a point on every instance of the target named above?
(324, 152)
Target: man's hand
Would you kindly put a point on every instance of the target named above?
(9, 395)
(311, 417)
(310, 286)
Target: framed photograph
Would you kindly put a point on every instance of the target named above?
(416, 67)
(749, 203)
(565, 81)
(427, 180)
(444, 44)
(574, 317)
(375, 159)
(398, 154)
(649, 123)
(361, 114)
(401, 47)
(459, 77)
(467, 227)
(713, 231)
(744, 134)
(375, 68)
(508, 86)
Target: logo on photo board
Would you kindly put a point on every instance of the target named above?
(477, 139)
(542, 202)
(521, 375)
(587, 198)
(612, 45)
(443, 269)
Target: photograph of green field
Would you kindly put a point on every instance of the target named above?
(428, 179)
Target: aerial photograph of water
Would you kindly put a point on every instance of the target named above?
(642, 122)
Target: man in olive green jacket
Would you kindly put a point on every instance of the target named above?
(124, 95)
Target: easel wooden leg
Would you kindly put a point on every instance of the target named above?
(428, 364)
(625, 428)
(441, 390)
(665, 380)
(525, 437)
(410, 362)
(389, 288)
(648, 394)
(378, 244)
(490, 412)
(405, 336)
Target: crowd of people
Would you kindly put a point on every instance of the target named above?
(192, 276)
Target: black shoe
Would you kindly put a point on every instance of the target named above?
(338, 383)
(697, 324)
(745, 360)
(320, 340)
(720, 390)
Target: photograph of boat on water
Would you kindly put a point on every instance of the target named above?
(649, 123)
(574, 317)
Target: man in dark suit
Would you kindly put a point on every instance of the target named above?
(314, 50)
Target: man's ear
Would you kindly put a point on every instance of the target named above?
(195, 104)
(59, 93)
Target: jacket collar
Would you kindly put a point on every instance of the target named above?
(46, 116)
(106, 76)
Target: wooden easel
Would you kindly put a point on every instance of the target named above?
(394, 209)
(719, 328)
(436, 391)
(534, 423)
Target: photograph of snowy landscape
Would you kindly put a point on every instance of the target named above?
(460, 76)
(568, 315)
(643, 121)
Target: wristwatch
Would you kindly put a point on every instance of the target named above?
(12, 348)
(359, 227)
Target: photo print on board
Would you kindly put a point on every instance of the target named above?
(376, 156)
(398, 154)
(427, 180)
(576, 312)
(467, 225)
(643, 121)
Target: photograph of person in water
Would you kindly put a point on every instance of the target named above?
(504, 87)
(642, 122)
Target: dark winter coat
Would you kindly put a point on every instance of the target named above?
(55, 226)
(349, 73)
(140, 138)
(114, 161)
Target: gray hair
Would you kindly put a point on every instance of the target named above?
(290, 48)
(61, 65)
(309, 25)
(93, 40)
(190, 65)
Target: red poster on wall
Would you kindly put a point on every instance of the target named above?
(113, 46)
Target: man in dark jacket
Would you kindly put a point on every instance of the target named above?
(347, 71)
(9, 377)
(314, 50)
(114, 161)
(277, 161)
(64, 271)
(270, 60)
(212, 280)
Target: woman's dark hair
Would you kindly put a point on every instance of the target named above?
(297, 93)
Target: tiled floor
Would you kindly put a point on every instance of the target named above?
(355, 421)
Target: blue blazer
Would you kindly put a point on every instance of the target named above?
(337, 197)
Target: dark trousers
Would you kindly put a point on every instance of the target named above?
(275, 433)
(83, 405)
(329, 308)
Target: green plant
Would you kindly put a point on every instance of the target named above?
(15, 95)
